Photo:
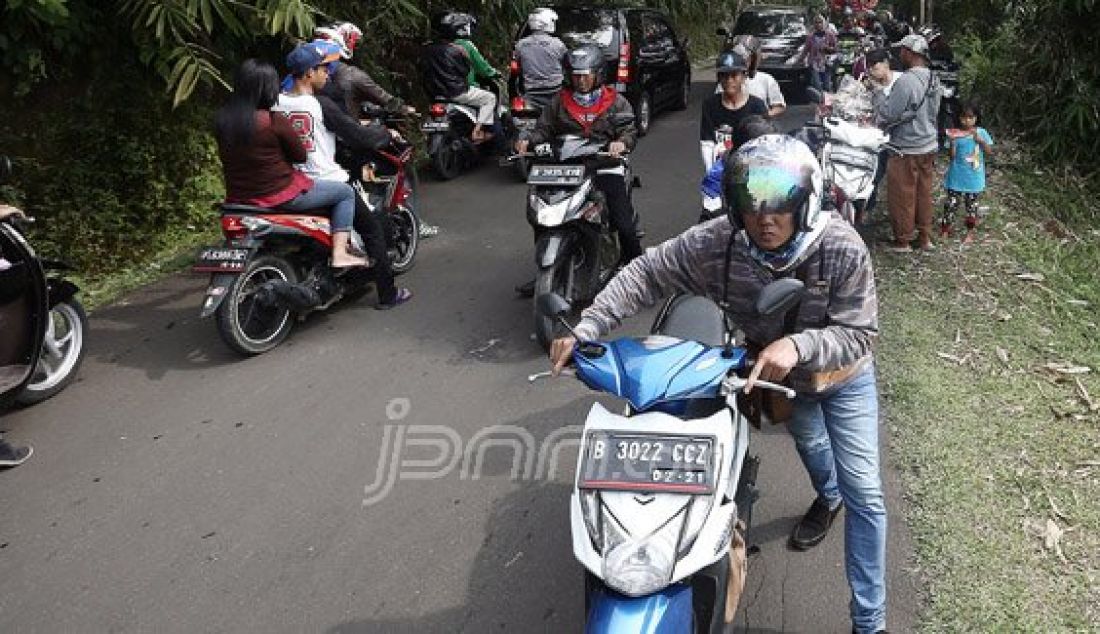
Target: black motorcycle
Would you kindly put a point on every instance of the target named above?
(447, 131)
(577, 250)
(44, 325)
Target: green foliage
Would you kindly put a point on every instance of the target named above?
(113, 174)
(1035, 67)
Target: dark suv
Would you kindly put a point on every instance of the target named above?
(782, 32)
(646, 61)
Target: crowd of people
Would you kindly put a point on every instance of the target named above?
(278, 145)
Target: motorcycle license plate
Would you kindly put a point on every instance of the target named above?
(221, 260)
(435, 126)
(659, 463)
(555, 175)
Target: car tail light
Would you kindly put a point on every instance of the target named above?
(437, 110)
(518, 104)
(513, 68)
(623, 74)
(232, 228)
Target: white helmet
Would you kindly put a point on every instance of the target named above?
(542, 19)
(344, 34)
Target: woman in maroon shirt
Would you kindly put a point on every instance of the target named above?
(257, 147)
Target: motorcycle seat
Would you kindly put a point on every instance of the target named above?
(241, 208)
(693, 318)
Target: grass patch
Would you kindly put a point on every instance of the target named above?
(992, 417)
(173, 252)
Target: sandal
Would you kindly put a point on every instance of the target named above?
(403, 295)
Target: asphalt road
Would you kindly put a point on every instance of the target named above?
(178, 488)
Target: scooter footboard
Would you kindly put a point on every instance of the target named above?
(666, 612)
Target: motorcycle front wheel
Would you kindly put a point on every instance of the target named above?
(248, 324)
(552, 280)
(62, 353)
(406, 237)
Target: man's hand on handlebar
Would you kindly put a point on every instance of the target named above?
(395, 135)
(616, 148)
(561, 352)
(774, 363)
(522, 145)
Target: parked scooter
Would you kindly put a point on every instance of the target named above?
(44, 323)
(448, 129)
(849, 156)
(663, 494)
(576, 250)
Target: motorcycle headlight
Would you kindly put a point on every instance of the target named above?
(590, 510)
(637, 567)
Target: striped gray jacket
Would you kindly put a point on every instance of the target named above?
(837, 321)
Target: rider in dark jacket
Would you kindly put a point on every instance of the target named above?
(598, 112)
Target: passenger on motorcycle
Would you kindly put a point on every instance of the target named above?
(590, 109)
(319, 123)
(722, 113)
(775, 227)
(452, 66)
(758, 83)
(540, 56)
(258, 147)
(348, 85)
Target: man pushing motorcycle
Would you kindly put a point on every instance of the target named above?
(590, 109)
(775, 227)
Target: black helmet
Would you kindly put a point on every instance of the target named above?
(586, 58)
(453, 25)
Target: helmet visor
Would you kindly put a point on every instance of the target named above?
(769, 189)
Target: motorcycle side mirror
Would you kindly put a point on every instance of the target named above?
(777, 298)
(721, 31)
(814, 95)
(552, 305)
(5, 169)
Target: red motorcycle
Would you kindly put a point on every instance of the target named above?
(272, 268)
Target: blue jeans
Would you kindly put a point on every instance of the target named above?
(822, 79)
(836, 434)
(325, 194)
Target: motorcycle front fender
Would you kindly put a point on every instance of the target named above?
(61, 291)
(552, 247)
(666, 612)
(220, 284)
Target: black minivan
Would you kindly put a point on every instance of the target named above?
(646, 61)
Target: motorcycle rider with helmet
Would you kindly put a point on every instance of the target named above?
(775, 227)
(595, 111)
(348, 85)
(452, 65)
(540, 57)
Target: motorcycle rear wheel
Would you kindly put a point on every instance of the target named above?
(447, 160)
(245, 325)
(62, 353)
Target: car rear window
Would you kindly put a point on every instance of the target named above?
(583, 26)
(771, 24)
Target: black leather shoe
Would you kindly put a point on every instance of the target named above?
(526, 290)
(814, 525)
